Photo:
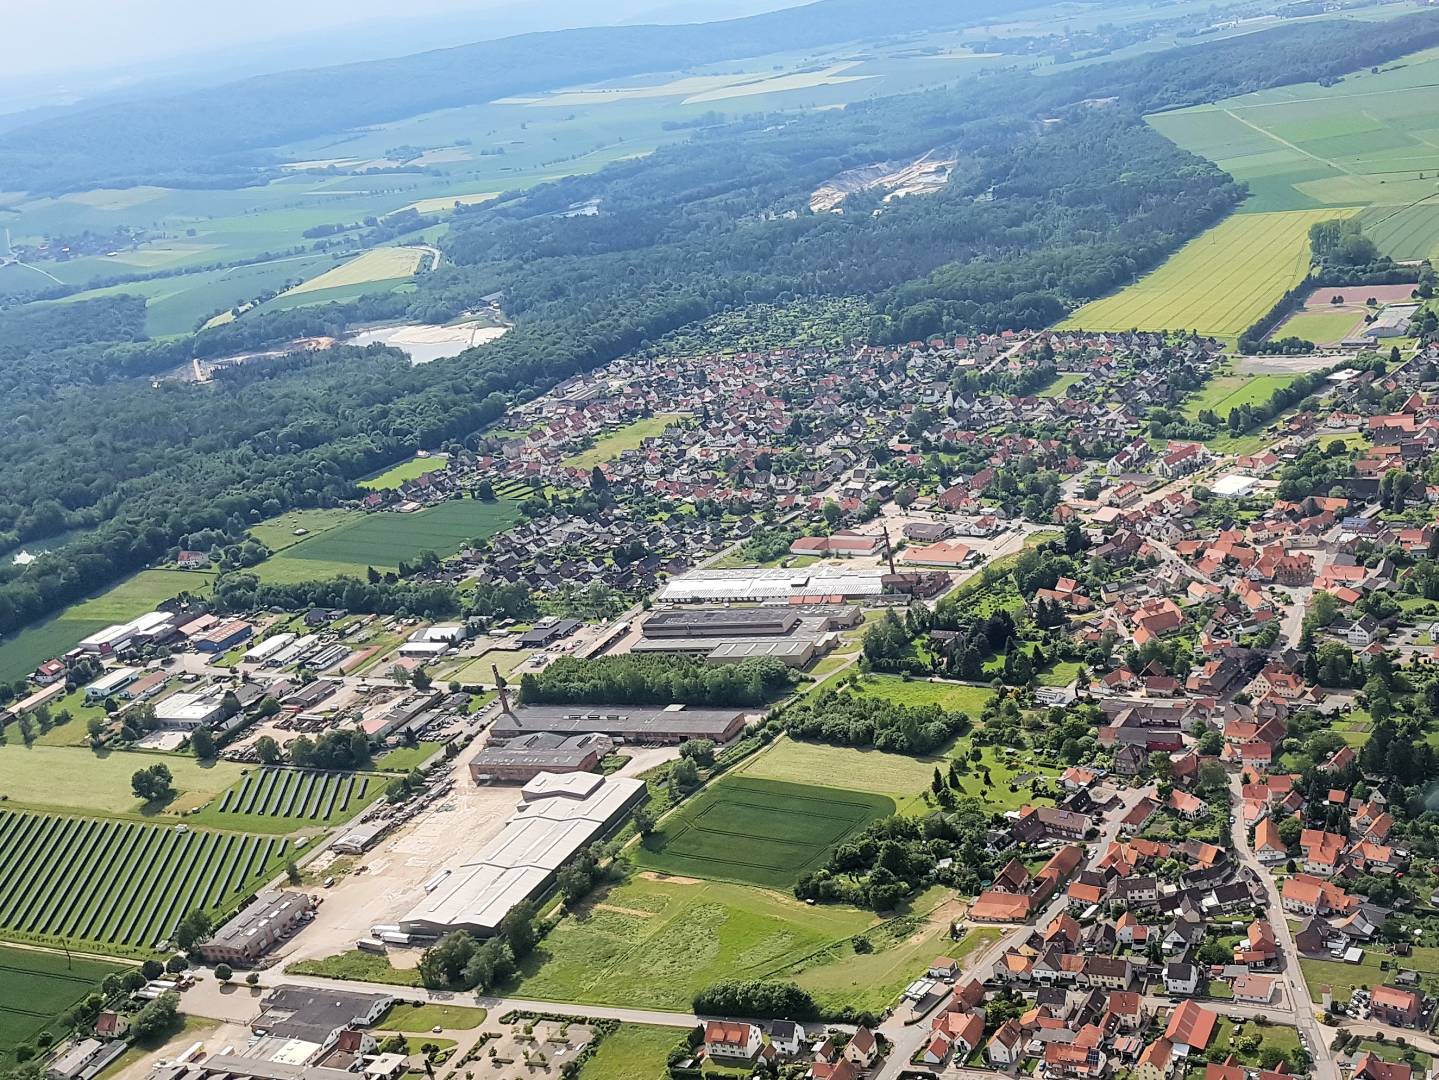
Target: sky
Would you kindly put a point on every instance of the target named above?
(71, 41)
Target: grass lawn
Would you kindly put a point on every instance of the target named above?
(633, 1052)
(875, 980)
(899, 776)
(1387, 1051)
(1321, 326)
(952, 697)
(36, 987)
(1061, 385)
(396, 475)
(77, 779)
(278, 533)
(1228, 392)
(419, 1019)
(479, 670)
(1345, 978)
(610, 446)
(1219, 283)
(654, 943)
(1003, 771)
(757, 832)
(384, 540)
(1061, 673)
(21, 653)
(357, 966)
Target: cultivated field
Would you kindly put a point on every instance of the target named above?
(440, 203)
(384, 540)
(23, 652)
(278, 533)
(1225, 393)
(898, 776)
(381, 264)
(120, 884)
(1219, 283)
(757, 832)
(654, 943)
(396, 475)
(608, 447)
(283, 799)
(37, 987)
(100, 783)
(1367, 141)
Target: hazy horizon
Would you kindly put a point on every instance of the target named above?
(42, 39)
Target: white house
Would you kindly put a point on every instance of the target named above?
(1180, 978)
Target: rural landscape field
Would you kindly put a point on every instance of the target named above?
(1368, 142)
(785, 539)
(1219, 283)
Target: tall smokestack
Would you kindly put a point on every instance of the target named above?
(503, 688)
(889, 550)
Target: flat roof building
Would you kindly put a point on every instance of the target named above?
(794, 651)
(624, 723)
(558, 817)
(223, 637)
(526, 757)
(186, 712)
(112, 682)
(722, 622)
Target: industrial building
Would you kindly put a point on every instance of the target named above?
(230, 1067)
(148, 629)
(811, 585)
(623, 723)
(558, 817)
(224, 637)
(543, 635)
(186, 712)
(251, 932)
(797, 652)
(524, 758)
(721, 622)
(111, 683)
(359, 837)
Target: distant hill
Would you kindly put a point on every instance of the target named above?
(218, 136)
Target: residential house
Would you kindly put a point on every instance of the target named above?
(1181, 977)
(1191, 1026)
(732, 1041)
(1392, 1005)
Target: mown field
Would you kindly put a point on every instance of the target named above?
(950, 696)
(757, 832)
(610, 446)
(1225, 393)
(37, 987)
(1319, 326)
(396, 475)
(21, 653)
(384, 540)
(896, 776)
(1370, 140)
(654, 943)
(122, 885)
(278, 799)
(1219, 283)
(634, 1052)
(381, 264)
(76, 778)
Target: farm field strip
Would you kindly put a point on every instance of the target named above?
(758, 832)
(379, 264)
(1219, 283)
(384, 540)
(38, 987)
(120, 883)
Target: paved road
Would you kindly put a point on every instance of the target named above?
(1301, 1011)
(209, 999)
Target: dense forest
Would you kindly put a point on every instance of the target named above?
(1063, 192)
(657, 679)
(216, 137)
